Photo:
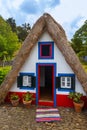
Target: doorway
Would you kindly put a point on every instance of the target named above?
(45, 82)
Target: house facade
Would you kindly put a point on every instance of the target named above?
(47, 75)
(47, 66)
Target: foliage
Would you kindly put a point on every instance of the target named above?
(11, 36)
(3, 73)
(12, 23)
(21, 31)
(76, 96)
(85, 67)
(14, 96)
(28, 96)
(79, 40)
(8, 41)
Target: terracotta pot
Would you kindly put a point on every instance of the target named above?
(15, 102)
(78, 106)
(27, 103)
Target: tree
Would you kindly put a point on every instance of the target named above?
(22, 31)
(8, 41)
(12, 23)
(79, 41)
(26, 27)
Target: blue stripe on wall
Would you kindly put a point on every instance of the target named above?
(27, 73)
(66, 74)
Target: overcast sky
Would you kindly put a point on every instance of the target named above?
(71, 14)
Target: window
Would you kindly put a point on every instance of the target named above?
(26, 81)
(65, 82)
(46, 50)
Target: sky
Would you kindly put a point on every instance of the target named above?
(71, 14)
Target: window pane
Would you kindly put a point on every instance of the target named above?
(45, 50)
(68, 82)
(68, 85)
(65, 82)
(68, 79)
(63, 78)
(25, 80)
(29, 81)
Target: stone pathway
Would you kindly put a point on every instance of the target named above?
(22, 118)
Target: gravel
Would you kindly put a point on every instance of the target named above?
(22, 118)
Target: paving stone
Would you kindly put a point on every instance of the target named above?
(21, 118)
(38, 128)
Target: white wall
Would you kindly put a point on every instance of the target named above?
(61, 64)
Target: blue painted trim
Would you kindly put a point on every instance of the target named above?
(65, 90)
(39, 47)
(43, 64)
(37, 83)
(66, 74)
(27, 88)
(26, 73)
(54, 84)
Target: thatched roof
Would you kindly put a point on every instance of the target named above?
(44, 23)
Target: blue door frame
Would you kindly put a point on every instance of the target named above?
(37, 83)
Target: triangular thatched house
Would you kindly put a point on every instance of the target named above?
(46, 65)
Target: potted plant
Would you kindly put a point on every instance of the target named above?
(14, 98)
(77, 101)
(27, 99)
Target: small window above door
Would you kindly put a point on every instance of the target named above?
(46, 50)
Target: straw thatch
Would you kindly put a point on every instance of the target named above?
(44, 23)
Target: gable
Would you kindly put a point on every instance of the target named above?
(30, 63)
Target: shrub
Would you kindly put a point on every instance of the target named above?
(3, 72)
(75, 96)
(14, 96)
